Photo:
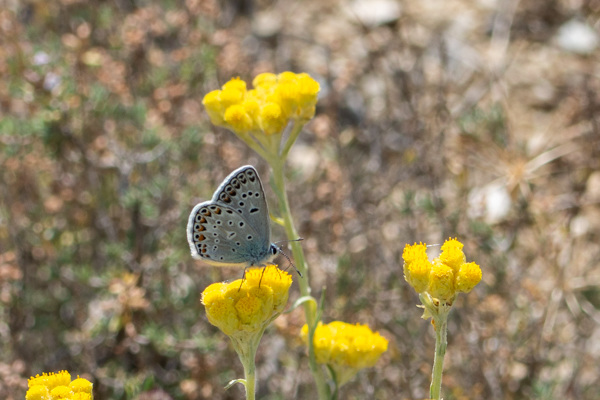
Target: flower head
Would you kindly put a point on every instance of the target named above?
(247, 305)
(443, 278)
(237, 118)
(441, 281)
(346, 348)
(468, 277)
(37, 392)
(452, 254)
(417, 266)
(274, 101)
(54, 386)
(271, 118)
(81, 385)
(244, 308)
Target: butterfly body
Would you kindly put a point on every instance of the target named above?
(232, 229)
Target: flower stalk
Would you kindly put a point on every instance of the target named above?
(310, 310)
(243, 309)
(439, 315)
(247, 354)
(441, 341)
(259, 117)
(438, 282)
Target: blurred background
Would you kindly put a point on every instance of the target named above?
(458, 118)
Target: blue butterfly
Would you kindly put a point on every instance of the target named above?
(233, 228)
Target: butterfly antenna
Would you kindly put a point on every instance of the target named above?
(287, 241)
(286, 256)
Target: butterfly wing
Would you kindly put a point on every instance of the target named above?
(233, 228)
(243, 192)
(221, 236)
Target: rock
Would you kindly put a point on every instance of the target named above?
(577, 37)
(375, 12)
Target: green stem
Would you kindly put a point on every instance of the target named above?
(253, 144)
(296, 129)
(246, 348)
(277, 166)
(250, 376)
(441, 342)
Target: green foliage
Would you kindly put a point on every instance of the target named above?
(485, 124)
(97, 157)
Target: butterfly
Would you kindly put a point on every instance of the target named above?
(233, 228)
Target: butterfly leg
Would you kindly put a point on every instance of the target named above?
(243, 279)
(262, 274)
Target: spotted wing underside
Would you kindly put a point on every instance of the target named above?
(243, 192)
(220, 236)
(233, 228)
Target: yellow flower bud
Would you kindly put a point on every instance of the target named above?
(468, 277)
(252, 110)
(214, 108)
(81, 385)
(255, 307)
(220, 309)
(37, 392)
(308, 90)
(230, 97)
(265, 79)
(279, 284)
(235, 84)
(286, 77)
(288, 97)
(271, 119)
(417, 266)
(452, 254)
(441, 281)
(236, 117)
(322, 342)
(61, 392)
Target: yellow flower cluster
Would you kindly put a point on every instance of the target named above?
(445, 276)
(54, 386)
(346, 348)
(248, 305)
(267, 108)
